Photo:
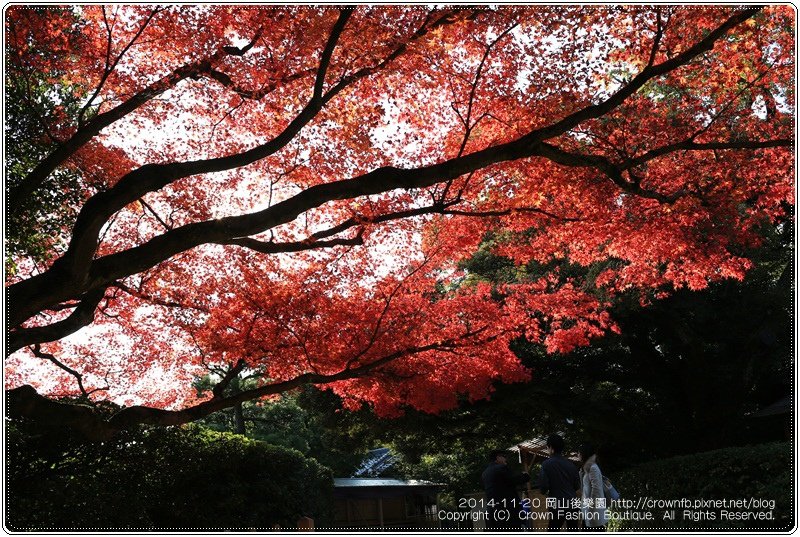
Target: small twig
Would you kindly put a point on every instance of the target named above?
(155, 214)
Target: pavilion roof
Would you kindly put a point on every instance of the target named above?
(538, 447)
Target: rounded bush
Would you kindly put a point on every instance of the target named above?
(160, 478)
(761, 472)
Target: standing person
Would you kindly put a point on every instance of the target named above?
(593, 505)
(560, 482)
(502, 501)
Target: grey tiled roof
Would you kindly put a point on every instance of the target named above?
(375, 463)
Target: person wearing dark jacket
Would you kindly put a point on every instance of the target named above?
(559, 481)
(503, 504)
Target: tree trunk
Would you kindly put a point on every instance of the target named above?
(238, 419)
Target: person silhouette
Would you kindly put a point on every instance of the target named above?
(502, 500)
(559, 481)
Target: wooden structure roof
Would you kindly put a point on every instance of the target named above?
(535, 450)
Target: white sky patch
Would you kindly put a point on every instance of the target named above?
(759, 107)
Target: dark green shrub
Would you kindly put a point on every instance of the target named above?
(160, 478)
(761, 472)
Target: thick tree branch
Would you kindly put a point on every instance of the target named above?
(116, 266)
(325, 59)
(82, 316)
(614, 170)
(657, 38)
(381, 180)
(219, 389)
(98, 209)
(25, 402)
(689, 145)
(136, 415)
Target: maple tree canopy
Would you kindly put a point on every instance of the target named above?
(293, 191)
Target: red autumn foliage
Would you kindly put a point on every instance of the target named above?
(292, 189)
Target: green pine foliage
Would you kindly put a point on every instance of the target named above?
(39, 230)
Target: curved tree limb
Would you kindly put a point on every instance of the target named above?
(25, 402)
(325, 59)
(381, 180)
(314, 241)
(219, 389)
(82, 316)
(26, 297)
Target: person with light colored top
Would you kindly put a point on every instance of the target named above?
(594, 504)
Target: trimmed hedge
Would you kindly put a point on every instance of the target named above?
(160, 478)
(761, 472)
